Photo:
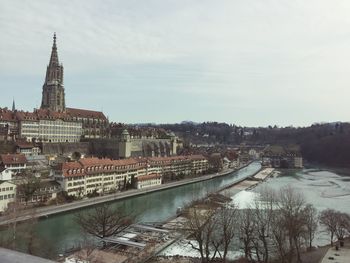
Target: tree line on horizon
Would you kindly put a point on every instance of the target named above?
(323, 143)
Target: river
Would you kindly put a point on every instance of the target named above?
(60, 232)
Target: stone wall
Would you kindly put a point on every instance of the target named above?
(104, 147)
(65, 148)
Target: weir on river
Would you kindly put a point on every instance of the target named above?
(60, 232)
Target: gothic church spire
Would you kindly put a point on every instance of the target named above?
(53, 97)
(54, 55)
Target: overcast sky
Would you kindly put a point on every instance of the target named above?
(248, 62)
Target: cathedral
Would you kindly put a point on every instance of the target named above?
(53, 89)
(53, 122)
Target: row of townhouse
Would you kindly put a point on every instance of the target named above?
(89, 175)
(179, 165)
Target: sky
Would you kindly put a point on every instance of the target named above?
(247, 62)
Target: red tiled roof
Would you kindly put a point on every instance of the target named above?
(24, 145)
(177, 158)
(72, 169)
(25, 115)
(148, 177)
(86, 113)
(92, 165)
(196, 157)
(7, 115)
(46, 114)
(13, 159)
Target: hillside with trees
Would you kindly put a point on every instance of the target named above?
(324, 143)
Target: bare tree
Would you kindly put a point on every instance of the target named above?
(291, 205)
(311, 220)
(342, 225)
(225, 229)
(200, 225)
(23, 233)
(86, 252)
(263, 212)
(246, 231)
(27, 185)
(279, 236)
(12, 213)
(103, 221)
(328, 218)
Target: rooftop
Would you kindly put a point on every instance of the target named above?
(13, 159)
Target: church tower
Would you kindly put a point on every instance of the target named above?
(53, 97)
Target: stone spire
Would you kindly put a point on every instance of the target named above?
(54, 56)
(13, 105)
(53, 90)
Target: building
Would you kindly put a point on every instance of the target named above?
(93, 175)
(53, 122)
(150, 146)
(178, 165)
(149, 180)
(94, 123)
(90, 175)
(7, 194)
(27, 148)
(53, 97)
(279, 156)
(48, 126)
(8, 125)
(47, 191)
(11, 164)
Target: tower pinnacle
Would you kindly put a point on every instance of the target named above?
(54, 39)
(13, 105)
(54, 55)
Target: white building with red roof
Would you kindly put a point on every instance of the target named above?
(94, 175)
(148, 180)
(11, 164)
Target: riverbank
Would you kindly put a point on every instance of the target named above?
(56, 209)
(243, 184)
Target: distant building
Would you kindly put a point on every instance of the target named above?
(278, 156)
(8, 125)
(132, 146)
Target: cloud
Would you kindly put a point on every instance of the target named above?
(251, 62)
